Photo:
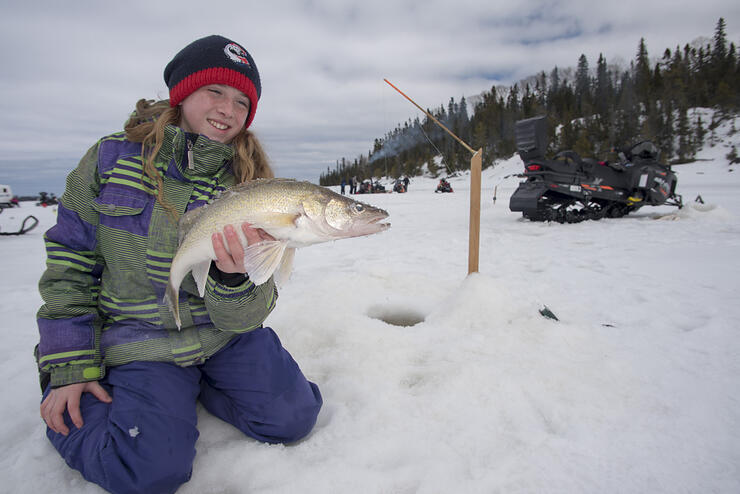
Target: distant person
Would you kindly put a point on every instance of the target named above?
(343, 185)
(443, 186)
(353, 185)
(120, 382)
(406, 182)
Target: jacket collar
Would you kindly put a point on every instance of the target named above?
(208, 157)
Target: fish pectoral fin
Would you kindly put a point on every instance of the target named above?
(262, 259)
(286, 266)
(200, 274)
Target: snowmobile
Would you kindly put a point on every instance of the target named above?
(369, 187)
(444, 186)
(399, 187)
(47, 199)
(570, 189)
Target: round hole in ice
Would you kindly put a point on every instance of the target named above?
(395, 315)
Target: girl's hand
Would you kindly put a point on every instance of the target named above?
(68, 398)
(233, 262)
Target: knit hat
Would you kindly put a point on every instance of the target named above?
(213, 60)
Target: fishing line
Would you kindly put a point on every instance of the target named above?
(436, 149)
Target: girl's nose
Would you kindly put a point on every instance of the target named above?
(225, 108)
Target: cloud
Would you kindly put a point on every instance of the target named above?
(73, 71)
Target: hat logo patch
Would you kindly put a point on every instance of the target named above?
(236, 53)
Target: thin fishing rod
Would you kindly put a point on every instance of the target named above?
(432, 117)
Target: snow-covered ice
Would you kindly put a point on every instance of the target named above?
(435, 381)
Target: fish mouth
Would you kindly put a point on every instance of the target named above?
(373, 226)
(383, 226)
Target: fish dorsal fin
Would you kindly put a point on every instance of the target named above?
(282, 274)
(187, 221)
(263, 259)
(200, 274)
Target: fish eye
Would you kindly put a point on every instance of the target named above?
(359, 208)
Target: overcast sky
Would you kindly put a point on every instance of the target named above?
(72, 71)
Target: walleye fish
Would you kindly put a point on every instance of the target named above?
(295, 213)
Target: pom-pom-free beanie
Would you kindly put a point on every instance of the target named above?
(213, 60)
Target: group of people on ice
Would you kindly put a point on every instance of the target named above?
(400, 185)
(369, 186)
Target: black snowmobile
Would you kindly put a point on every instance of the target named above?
(569, 189)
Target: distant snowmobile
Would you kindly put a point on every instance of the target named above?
(570, 189)
(443, 186)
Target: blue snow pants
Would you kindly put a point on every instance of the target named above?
(144, 441)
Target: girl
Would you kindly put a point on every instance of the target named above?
(119, 381)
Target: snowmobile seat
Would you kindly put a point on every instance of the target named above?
(589, 164)
(569, 157)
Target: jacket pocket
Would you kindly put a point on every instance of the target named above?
(112, 203)
(122, 241)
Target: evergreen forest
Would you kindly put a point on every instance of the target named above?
(593, 112)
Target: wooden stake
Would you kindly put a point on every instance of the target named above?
(475, 181)
(474, 229)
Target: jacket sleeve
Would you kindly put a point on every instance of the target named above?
(68, 322)
(238, 307)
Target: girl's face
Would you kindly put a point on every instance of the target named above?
(217, 111)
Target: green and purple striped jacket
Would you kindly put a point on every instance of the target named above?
(108, 261)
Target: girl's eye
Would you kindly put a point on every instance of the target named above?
(244, 104)
(214, 90)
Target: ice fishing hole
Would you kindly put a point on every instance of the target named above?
(396, 316)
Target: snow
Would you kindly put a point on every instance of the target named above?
(468, 388)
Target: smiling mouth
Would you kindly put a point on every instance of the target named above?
(217, 125)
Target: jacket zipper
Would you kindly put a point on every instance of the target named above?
(191, 165)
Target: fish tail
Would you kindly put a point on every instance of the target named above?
(173, 302)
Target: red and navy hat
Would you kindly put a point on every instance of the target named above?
(213, 60)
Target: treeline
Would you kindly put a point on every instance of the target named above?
(589, 111)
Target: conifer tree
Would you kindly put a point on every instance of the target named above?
(642, 73)
(684, 135)
(603, 87)
(719, 50)
(700, 134)
(583, 87)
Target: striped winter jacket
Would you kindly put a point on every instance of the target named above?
(108, 260)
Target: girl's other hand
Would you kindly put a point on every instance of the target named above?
(68, 398)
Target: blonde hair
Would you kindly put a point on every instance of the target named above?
(146, 125)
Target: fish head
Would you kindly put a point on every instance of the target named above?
(343, 217)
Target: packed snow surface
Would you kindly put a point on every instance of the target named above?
(435, 381)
